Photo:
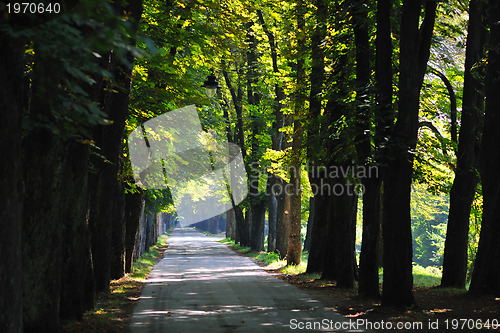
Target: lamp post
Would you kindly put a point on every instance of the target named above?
(211, 85)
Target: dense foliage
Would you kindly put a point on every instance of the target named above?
(359, 121)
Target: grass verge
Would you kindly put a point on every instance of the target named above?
(113, 309)
(270, 260)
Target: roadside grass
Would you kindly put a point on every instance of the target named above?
(423, 277)
(112, 309)
(270, 259)
(426, 277)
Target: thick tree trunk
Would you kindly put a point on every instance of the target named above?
(345, 239)
(272, 205)
(11, 192)
(465, 182)
(107, 218)
(314, 236)
(241, 234)
(42, 227)
(117, 268)
(329, 267)
(310, 221)
(231, 225)
(340, 259)
(368, 277)
(241, 226)
(415, 45)
(141, 236)
(257, 200)
(42, 231)
(486, 275)
(294, 252)
(317, 253)
(275, 211)
(258, 226)
(134, 205)
(283, 221)
(369, 258)
(384, 121)
(76, 235)
(107, 193)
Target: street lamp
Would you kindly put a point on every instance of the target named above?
(211, 85)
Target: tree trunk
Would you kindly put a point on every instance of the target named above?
(486, 275)
(258, 226)
(283, 221)
(465, 182)
(340, 259)
(317, 253)
(415, 45)
(241, 234)
(76, 235)
(329, 267)
(345, 239)
(315, 234)
(369, 258)
(117, 268)
(134, 205)
(294, 252)
(275, 216)
(231, 225)
(272, 216)
(42, 228)
(241, 226)
(11, 193)
(368, 270)
(310, 221)
(107, 192)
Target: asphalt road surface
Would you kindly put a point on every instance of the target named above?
(202, 286)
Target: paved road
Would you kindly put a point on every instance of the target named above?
(202, 286)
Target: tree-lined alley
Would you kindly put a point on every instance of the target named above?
(367, 129)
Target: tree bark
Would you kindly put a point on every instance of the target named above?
(317, 252)
(11, 189)
(339, 262)
(134, 205)
(42, 227)
(415, 45)
(368, 267)
(466, 179)
(310, 221)
(486, 275)
(370, 247)
(108, 238)
(314, 243)
(76, 235)
(272, 204)
(283, 220)
(278, 142)
(241, 233)
(294, 252)
(106, 219)
(453, 102)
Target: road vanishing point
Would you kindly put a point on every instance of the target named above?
(203, 286)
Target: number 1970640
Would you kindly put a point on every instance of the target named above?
(33, 8)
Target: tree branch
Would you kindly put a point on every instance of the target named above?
(453, 102)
